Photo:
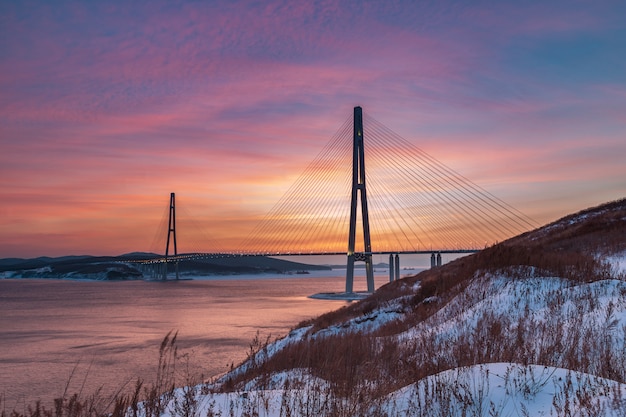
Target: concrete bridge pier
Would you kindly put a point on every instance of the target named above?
(397, 266)
(435, 259)
(394, 267)
(152, 271)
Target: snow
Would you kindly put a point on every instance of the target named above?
(502, 389)
(37, 272)
(508, 389)
(618, 263)
(267, 351)
(550, 301)
(368, 322)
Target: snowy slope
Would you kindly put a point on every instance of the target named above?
(551, 311)
(497, 389)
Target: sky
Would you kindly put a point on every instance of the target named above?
(107, 107)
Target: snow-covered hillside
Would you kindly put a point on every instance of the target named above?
(495, 389)
(535, 326)
(559, 323)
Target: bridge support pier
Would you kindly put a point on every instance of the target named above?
(397, 265)
(394, 267)
(435, 259)
(359, 190)
(166, 269)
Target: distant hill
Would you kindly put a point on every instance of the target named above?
(123, 266)
(535, 325)
(10, 261)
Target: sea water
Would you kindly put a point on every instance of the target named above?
(66, 336)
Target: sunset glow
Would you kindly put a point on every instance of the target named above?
(107, 107)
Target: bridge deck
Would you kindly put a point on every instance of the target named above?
(189, 256)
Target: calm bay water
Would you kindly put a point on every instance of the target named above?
(108, 333)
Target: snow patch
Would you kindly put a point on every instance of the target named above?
(482, 390)
(505, 389)
(618, 264)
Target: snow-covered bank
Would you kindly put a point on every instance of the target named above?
(495, 389)
(553, 321)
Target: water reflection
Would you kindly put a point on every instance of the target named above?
(109, 332)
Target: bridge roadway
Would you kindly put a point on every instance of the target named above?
(191, 256)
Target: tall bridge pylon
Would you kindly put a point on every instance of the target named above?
(359, 194)
(171, 233)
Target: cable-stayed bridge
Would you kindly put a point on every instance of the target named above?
(409, 202)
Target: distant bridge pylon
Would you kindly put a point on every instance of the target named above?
(171, 232)
(171, 228)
